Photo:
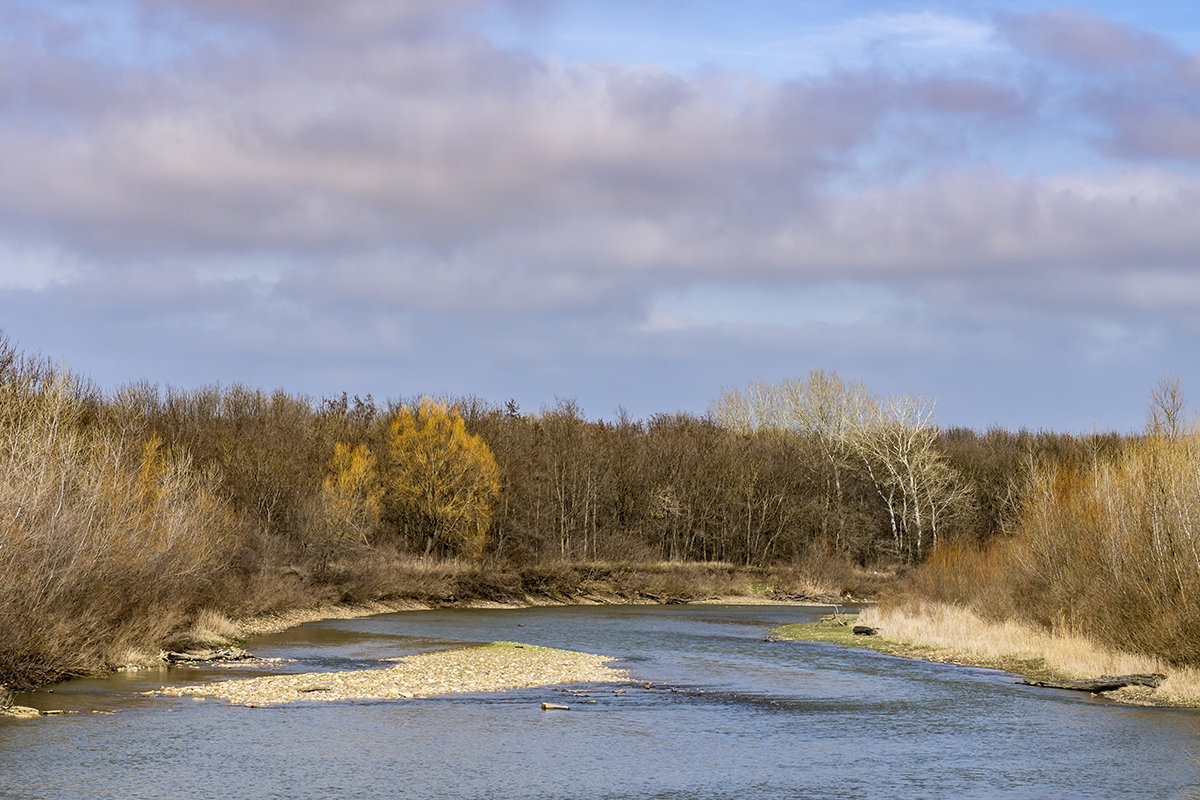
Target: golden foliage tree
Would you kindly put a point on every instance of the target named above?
(441, 480)
(348, 505)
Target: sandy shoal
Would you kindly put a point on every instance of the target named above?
(489, 668)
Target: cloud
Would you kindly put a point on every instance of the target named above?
(967, 95)
(924, 30)
(1167, 132)
(434, 144)
(1146, 97)
(322, 22)
(1083, 39)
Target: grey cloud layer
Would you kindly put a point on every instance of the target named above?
(438, 142)
(1084, 39)
(380, 166)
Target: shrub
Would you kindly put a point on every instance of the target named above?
(1110, 550)
(105, 545)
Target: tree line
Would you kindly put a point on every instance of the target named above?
(770, 474)
(124, 513)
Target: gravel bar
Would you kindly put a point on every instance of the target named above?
(488, 668)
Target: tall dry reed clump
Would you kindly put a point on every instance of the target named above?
(1110, 551)
(106, 542)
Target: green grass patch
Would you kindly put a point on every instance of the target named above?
(838, 629)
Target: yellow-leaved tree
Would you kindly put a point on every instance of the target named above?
(348, 506)
(152, 486)
(441, 480)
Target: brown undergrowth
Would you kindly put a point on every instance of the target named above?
(958, 635)
(104, 546)
(1109, 552)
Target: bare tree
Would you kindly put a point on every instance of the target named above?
(1167, 403)
(897, 442)
(893, 441)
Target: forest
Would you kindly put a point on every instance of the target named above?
(128, 514)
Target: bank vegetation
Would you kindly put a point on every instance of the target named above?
(1097, 571)
(127, 517)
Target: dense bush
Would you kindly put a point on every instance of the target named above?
(106, 543)
(1108, 548)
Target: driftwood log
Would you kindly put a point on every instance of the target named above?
(1105, 683)
(554, 707)
(224, 654)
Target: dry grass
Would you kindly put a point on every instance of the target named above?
(958, 635)
(210, 629)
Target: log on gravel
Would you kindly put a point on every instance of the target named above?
(205, 656)
(1105, 683)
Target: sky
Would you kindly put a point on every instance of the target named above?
(626, 204)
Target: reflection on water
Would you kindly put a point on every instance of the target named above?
(717, 713)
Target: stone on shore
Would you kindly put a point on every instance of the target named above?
(20, 712)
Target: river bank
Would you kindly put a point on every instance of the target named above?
(955, 635)
(277, 622)
(456, 584)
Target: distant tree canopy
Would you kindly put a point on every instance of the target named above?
(775, 473)
(441, 480)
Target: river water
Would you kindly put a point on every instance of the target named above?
(728, 715)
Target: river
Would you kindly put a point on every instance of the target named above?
(728, 715)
